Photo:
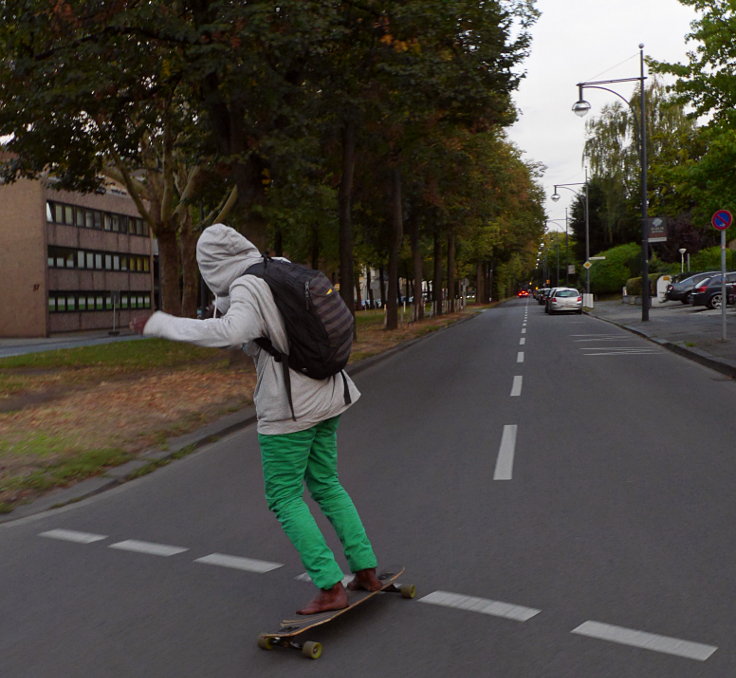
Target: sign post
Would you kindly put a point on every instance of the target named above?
(721, 220)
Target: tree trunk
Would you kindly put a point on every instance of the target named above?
(369, 288)
(451, 271)
(418, 266)
(392, 316)
(189, 269)
(480, 284)
(345, 213)
(168, 266)
(437, 278)
(358, 295)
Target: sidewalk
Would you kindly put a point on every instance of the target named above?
(20, 346)
(692, 331)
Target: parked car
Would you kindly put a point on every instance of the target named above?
(542, 295)
(564, 299)
(708, 292)
(682, 289)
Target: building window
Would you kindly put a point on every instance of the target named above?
(82, 217)
(65, 302)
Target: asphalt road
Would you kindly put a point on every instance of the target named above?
(559, 489)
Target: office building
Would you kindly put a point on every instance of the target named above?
(71, 262)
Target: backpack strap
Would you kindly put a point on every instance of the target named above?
(266, 345)
(346, 391)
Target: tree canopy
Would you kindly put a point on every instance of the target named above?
(298, 116)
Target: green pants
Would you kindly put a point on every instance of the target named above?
(310, 456)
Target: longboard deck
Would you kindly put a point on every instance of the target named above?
(290, 628)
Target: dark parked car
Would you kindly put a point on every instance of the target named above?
(683, 288)
(709, 291)
(542, 294)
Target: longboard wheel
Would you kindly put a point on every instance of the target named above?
(312, 649)
(265, 643)
(408, 591)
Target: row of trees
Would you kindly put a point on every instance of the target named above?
(342, 133)
(691, 139)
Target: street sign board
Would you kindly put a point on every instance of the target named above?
(657, 230)
(721, 219)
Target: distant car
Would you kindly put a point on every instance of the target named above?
(682, 289)
(708, 292)
(564, 299)
(522, 293)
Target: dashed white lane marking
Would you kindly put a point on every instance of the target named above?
(148, 547)
(480, 605)
(239, 563)
(591, 629)
(522, 341)
(520, 357)
(646, 641)
(73, 536)
(523, 330)
(505, 459)
(516, 386)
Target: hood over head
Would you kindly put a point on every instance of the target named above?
(223, 255)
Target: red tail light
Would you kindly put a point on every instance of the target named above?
(580, 298)
(700, 290)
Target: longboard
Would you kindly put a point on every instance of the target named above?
(290, 629)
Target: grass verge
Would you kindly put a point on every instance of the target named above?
(67, 415)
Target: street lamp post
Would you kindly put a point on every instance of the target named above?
(566, 249)
(580, 108)
(556, 197)
(682, 251)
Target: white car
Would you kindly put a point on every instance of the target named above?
(564, 299)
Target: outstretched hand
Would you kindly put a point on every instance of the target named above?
(138, 323)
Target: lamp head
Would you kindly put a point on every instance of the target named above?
(581, 108)
(555, 196)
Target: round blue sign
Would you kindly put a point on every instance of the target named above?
(721, 219)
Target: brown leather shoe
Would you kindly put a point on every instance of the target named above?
(334, 598)
(365, 580)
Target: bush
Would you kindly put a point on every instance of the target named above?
(610, 275)
(709, 259)
(633, 285)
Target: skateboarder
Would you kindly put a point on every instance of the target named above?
(292, 451)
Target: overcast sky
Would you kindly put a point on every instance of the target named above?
(582, 40)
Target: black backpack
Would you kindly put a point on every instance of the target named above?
(319, 325)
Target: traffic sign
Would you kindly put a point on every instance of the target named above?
(721, 219)
(587, 265)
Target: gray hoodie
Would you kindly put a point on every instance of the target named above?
(250, 312)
